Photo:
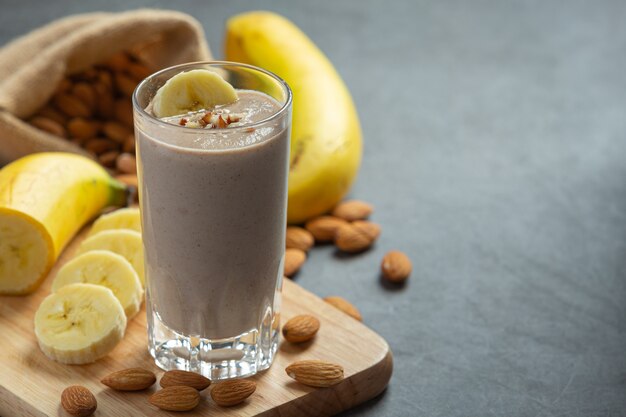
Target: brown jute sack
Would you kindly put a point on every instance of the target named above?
(32, 66)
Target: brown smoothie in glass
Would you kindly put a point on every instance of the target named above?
(214, 262)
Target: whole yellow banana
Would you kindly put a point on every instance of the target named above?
(326, 134)
(45, 198)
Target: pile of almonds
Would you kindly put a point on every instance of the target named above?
(93, 110)
(348, 228)
(181, 389)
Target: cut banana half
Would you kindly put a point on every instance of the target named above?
(126, 218)
(80, 323)
(190, 91)
(103, 267)
(123, 242)
(26, 252)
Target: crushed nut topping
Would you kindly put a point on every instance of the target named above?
(216, 119)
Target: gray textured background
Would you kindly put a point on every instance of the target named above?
(495, 145)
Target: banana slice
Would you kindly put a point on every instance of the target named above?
(190, 91)
(126, 218)
(123, 242)
(26, 252)
(79, 323)
(102, 267)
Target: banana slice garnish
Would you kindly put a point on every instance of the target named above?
(191, 91)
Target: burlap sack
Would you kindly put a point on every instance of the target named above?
(32, 66)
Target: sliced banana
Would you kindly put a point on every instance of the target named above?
(123, 242)
(103, 267)
(126, 218)
(79, 323)
(190, 91)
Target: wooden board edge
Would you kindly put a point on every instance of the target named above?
(353, 391)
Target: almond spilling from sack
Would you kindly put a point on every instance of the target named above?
(177, 377)
(93, 110)
(315, 373)
(232, 392)
(78, 401)
(324, 228)
(357, 236)
(299, 238)
(131, 379)
(294, 259)
(353, 210)
(301, 328)
(178, 398)
(396, 266)
(344, 305)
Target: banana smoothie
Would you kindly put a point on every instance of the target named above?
(212, 168)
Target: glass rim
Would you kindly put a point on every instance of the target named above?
(284, 108)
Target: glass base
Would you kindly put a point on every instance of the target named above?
(239, 356)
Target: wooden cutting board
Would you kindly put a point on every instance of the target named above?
(31, 384)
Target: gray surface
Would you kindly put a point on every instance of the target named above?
(495, 135)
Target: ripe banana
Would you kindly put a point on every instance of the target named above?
(79, 323)
(190, 91)
(326, 135)
(45, 198)
(126, 243)
(126, 218)
(102, 267)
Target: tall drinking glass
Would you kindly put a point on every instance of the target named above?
(213, 207)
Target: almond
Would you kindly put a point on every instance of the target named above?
(176, 398)
(396, 266)
(131, 379)
(315, 373)
(232, 391)
(128, 179)
(85, 93)
(71, 105)
(118, 62)
(78, 401)
(324, 228)
(138, 71)
(177, 378)
(356, 237)
(125, 84)
(301, 328)
(82, 128)
(108, 159)
(294, 259)
(126, 163)
(353, 210)
(116, 131)
(123, 111)
(64, 85)
(48, 125)
(299, 238)
(105, 79)
(105, 101)
(345, 306)
(100, 145)
(52, 113)
(129, 144)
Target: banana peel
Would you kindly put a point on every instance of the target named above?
(326, 142)
(45, 198)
